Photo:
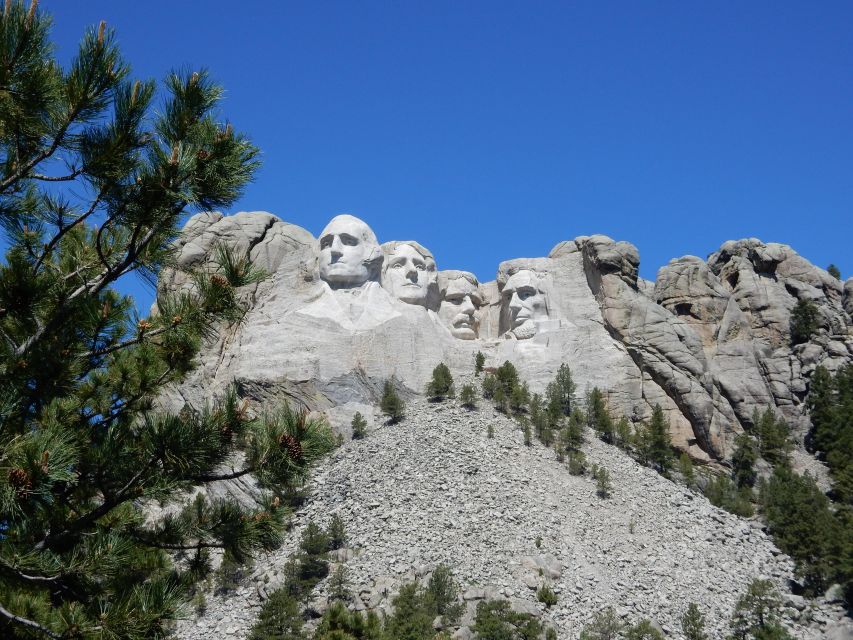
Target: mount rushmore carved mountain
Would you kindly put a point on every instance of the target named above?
(709, 341)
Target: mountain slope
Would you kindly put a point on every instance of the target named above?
(435, 488)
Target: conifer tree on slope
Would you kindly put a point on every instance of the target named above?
(94, 185)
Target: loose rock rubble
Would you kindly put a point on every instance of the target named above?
(508, 518)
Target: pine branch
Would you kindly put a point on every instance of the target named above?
(24, 576)
(98, 512)
(28, 623)
(213, 477)
(70, 176)
(65, 229)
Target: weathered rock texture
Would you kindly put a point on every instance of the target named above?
(436, 489)
(709, 340)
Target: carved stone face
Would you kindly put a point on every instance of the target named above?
(349, 253)
(409, 274)
(460, 300)
(526, 303)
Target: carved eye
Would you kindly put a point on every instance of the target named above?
(397, 265)
(326, 242)
(455, 299)
(349, 240)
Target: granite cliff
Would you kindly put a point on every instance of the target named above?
(709, 340)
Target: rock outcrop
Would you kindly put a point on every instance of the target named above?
(709, 340)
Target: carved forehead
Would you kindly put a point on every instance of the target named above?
(350, 225)
(408, 248)
(522, 279)
(461, 286)
(446, 278)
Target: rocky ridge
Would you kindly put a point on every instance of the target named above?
(709, 340)
(507, 518)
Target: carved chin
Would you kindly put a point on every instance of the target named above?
(525, 330)
(463, 333)
(412, 296)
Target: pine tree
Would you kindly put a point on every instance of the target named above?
(598, 417)
(834, 271)
(391, 404)
(603, 485)
(657, 443)
(743, 461)
(693, 623)
(359, 426)
(605, 625)
(441, 385)
(468, 396)
(573, 432)
(561, 391)
(280, 619)
(479, 361)
(805, 321)
(685, 467)
(756, 614)
(773, 438)
(94, 187)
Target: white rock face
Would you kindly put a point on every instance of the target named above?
(339, 315)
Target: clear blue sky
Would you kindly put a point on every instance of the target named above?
(492, 130)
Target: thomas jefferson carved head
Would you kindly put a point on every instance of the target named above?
(409, 274)
(460, 299)
(524, 299)
(349, 253)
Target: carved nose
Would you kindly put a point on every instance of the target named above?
(337, 249)
(515, 303)
(412, 273)
(468, 306)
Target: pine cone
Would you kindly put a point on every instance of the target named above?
(219, 281)
(21, 481)
(292, 445)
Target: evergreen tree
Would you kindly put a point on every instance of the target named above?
(831, 411)
(643, 630)
(94, 187)
(803, 526)
(623, 435)
(724, 493)
(603, 485)
(605, 625)
(497, 621)
(560, 392)
(685, 466)
(834, 271)
(598, 417)
(693, 623)
(507, 377)
(479, 361)
(280, 619)
(490, 385)
(573, 431)
(756, 614)
(519, 398)
(805, 321)
(359, 426)
(657, 445)
(743, 461)
(468, 396)
(441, 385)
(391, 404)
(337, 533)
(773, 438)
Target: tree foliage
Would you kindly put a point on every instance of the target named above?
(95, 184)
(392, 405)
(441, 384)
(805, 321)
(831, 409)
